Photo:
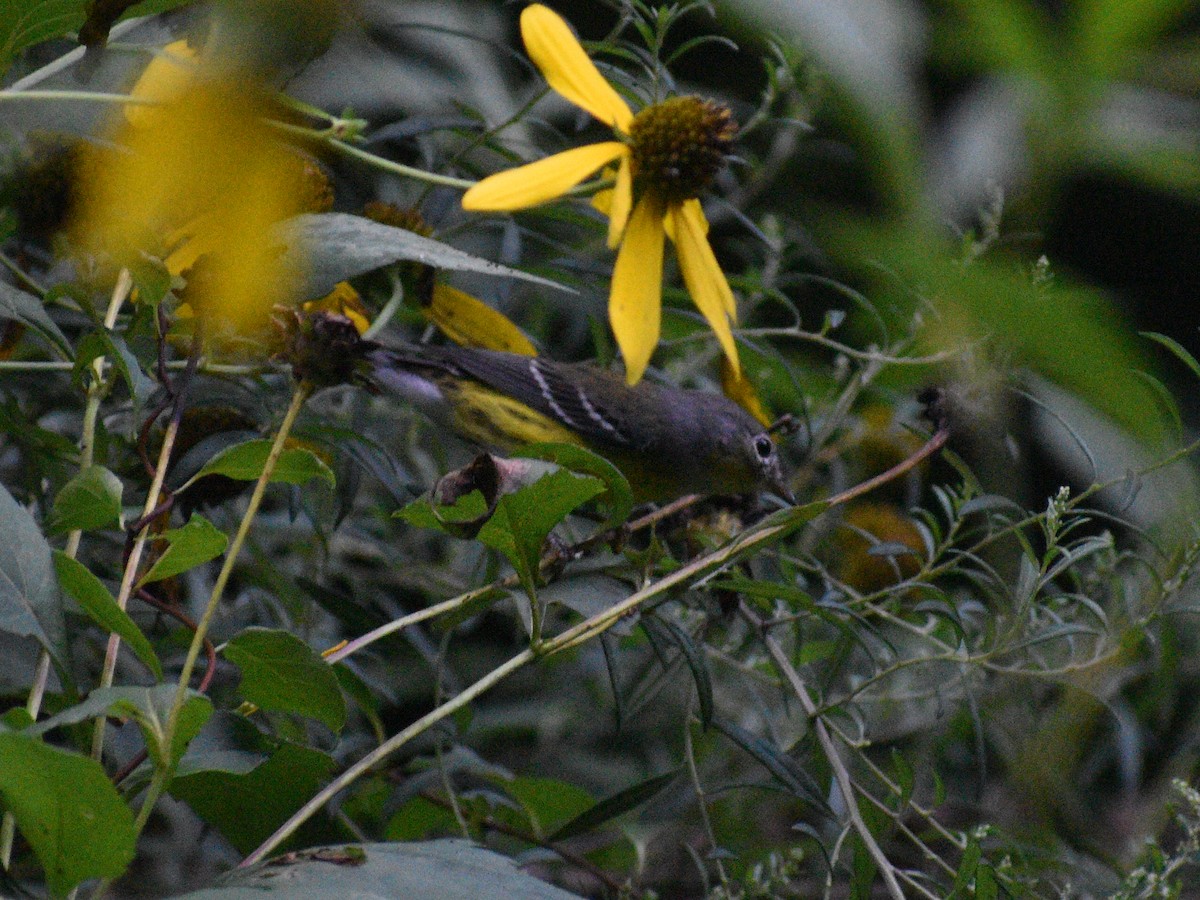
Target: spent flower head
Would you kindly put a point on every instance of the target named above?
(666, 156)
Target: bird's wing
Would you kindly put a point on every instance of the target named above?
(556, 390)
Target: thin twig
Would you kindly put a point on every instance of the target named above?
(550, 560)
(830, 751)
(384, 750)
(162, 775)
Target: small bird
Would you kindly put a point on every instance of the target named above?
(667, 442)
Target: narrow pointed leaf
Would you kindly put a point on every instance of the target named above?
(88, 591)
(619, 803)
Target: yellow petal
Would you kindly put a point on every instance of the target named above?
(738, 388)
(470, 322)
(635, 304)
(695, 213)
(553, 48)
(343, 300)
(693, 209)
(602, 201)
(622, 202)
(208, 160)
(163, 79)
(703, 276)
(191, 241)
(540, 181)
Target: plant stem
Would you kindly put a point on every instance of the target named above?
(83, 96)
(72, 56)
(22, 275)
(689, 754)
(774, 529)
(777, 528)
(389, 308)
(162, 775)
(42, 365)
(8, 827)
(301, 394)
(387, 165)
(784, 665)
(553, 558)
(430, 612)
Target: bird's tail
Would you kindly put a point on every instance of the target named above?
(406, 372)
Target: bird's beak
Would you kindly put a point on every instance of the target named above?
(778, 484)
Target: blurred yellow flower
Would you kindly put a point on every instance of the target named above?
(167, 75)
(203, 173)
(666, 156)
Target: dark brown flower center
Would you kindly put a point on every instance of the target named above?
(679, 145)
(409, 219)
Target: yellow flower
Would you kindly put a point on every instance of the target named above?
(202, 173)
(666, 155)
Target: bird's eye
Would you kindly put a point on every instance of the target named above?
(763, 446)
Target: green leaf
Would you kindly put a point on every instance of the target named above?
(188, 546)
(419, 819)
(967, 867)
(88, 591)
(1176, 348)
(67, 809)
(578, 459)
(611, 807)
(24, 23)
(450, 869)
(987, 886)
(149, 707)
(281, 673)
(30, 603)
(151, 278)
(785, 769)
(863, 870)
(548, 802)
(26, 308)
(904, 779)
(423, 514)
(16, 719)
(1002, 34)
(523, 520)
(92, 499)
(247, 808)
(325, 248)
(1110, 33)
(664, 629)
(112, 347)
(246, 461)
